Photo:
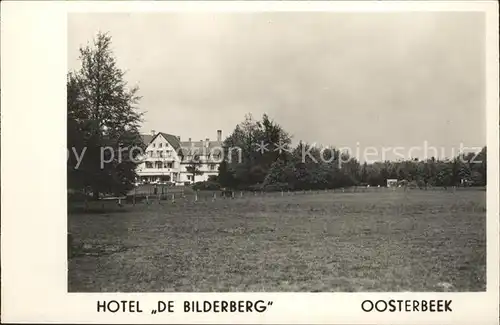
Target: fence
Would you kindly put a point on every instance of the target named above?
(185, 194)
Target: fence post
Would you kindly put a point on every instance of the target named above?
(70, 245)
(86, 202)
(173, 198)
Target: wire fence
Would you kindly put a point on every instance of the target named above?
(175, 194)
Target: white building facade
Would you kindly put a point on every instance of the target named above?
(167, 159)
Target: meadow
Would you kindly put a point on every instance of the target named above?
(379, 240)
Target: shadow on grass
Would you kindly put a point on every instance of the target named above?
(96, 210)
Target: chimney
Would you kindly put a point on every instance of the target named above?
(189, 140)
(153, 132)
(219, 135)
(207, 141)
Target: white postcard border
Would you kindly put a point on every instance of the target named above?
(34, 226)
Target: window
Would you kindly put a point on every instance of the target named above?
(149, 164)
(160, 154)
(158, 164)
(154, 145)
(170, 165)
(212, 166)
(189, 177)
(160, 145)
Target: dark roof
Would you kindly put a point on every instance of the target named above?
(172, 139)
(176, 144)
(199, 146)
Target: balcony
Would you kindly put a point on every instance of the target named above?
(156, 171)
(155, 156)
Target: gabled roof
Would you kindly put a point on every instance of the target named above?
(187, 146)
(172, 139)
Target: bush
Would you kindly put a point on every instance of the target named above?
(255, 188)
(213, 178)
(276, 187)
(412, 185)
(76, 196)
(206, 186)
(421, 184)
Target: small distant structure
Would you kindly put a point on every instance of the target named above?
(392, 182)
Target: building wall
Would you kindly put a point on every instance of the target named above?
(162, 163)
(205, 168)
(160, 160)
(392, 183)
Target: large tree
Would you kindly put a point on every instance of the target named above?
(194, 166)
(103, 122)
(251, 150)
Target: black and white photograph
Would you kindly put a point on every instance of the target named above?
(276, 152)
(250, 162)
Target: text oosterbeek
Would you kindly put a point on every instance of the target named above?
(438, 305)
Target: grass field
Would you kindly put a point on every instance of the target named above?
(375, 241)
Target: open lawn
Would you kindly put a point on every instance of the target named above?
(371, 241)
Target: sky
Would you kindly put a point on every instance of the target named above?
(354, 80)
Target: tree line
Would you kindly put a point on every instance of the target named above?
(256, 168)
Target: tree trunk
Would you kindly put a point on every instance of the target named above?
(95, 194)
